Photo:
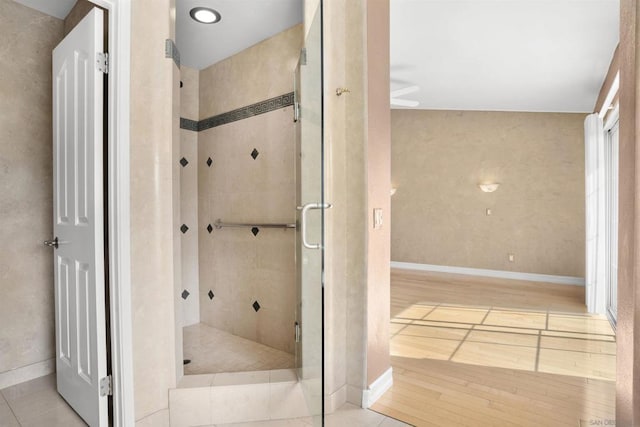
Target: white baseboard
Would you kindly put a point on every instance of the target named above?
(532, 277)
(27, 373)
(377, 388)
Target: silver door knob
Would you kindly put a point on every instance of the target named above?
(52, 243)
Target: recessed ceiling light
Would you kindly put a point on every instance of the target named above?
(204, 15)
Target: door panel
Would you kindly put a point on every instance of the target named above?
(62, 314)
(310, 233)
(78, 220)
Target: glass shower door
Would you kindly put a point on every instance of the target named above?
(310, 219)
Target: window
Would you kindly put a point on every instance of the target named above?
(611, 220)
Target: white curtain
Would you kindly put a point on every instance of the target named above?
(595, 215)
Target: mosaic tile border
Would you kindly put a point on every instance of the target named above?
(188, 124)
(242, 113)
(171, 51)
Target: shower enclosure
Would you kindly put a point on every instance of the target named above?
(252, 215)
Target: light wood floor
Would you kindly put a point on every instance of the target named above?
(475, 351)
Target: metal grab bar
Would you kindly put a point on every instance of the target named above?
(219, 224)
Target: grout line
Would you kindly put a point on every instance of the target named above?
(546, 325)
(460, 343)
(503, 326)
(4, 399)
(472, 327)
(430, 311)
(485, 316)
(596, 338)
(402, 329)
(466, 339)
(435, 321)
(383, 419)
(538, 350)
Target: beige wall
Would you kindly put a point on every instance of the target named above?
(353, 192)
(356, 290)
(439, 213)
(190, 93)
(337, 319)
(154, 170)
(378, 188)
(26, 266)
(258, 73)
(189, 96)
(238, 267)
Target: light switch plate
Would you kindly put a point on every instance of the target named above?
(377, 218)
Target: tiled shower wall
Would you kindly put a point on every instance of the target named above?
(238, 164)
(190, 164)
(27, 344)
(246, 173)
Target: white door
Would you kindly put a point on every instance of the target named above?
(81, 353)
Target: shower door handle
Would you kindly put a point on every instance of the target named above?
(303, 222)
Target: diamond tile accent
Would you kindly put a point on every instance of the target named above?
(255, 231)
(185, 294)
(209, 162)
(256, 306)
(209, 228)
(184, 228)
(211, 295)
(184, 162)
(255, 154)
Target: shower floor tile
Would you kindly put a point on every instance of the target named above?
(212, 350)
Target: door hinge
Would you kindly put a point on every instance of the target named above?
(105, 386)
(102, 62)
(303, 56)
(296, 111)
(298, 332)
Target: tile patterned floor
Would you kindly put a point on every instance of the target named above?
(36, 403)
(573, 344)
(347, 416)
(212, 350)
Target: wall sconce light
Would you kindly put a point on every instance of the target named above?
(393, 191)
(489, 188)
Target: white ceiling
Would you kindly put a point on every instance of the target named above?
(58, 8)
(244, 23)
(503, 55)
(495, 55)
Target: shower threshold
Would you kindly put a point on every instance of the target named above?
(213, 351)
